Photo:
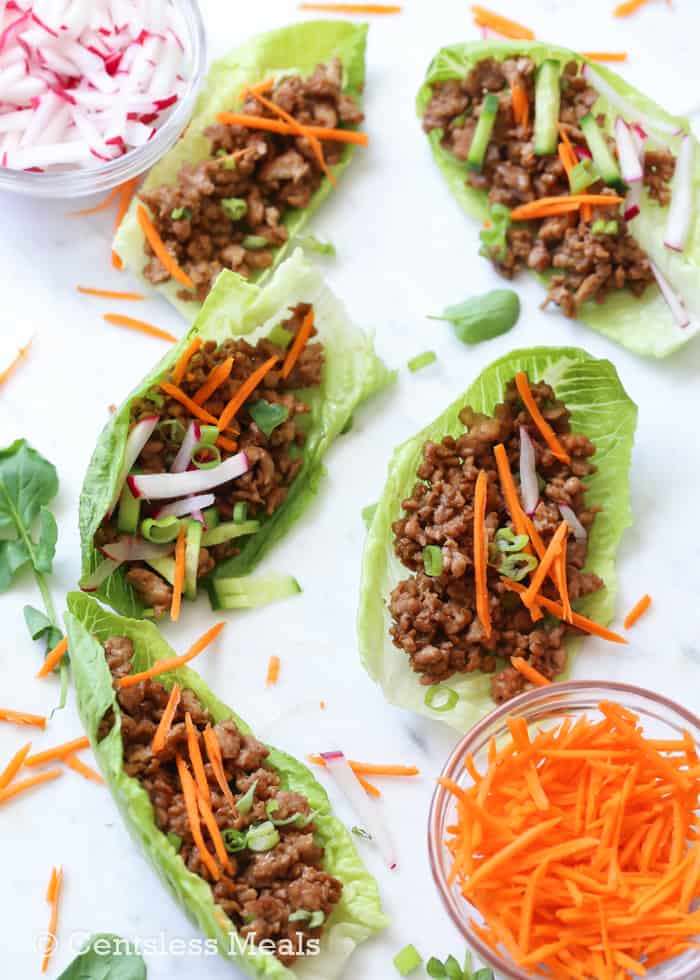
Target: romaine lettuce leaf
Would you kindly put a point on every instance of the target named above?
(601, 409)
(644, 325)
(357, 916)
(235, 308)
(295, 49)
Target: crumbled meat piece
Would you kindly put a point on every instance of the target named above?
(659, 168)
(151, 589)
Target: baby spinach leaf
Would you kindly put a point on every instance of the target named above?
(267, 415)
(106, 957)
(483, 317)
(41, 627)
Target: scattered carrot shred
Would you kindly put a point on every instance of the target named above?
(168, 262)
(574, 846)
(53, 896)
(545, 429)
(196, 760)
(352, 8)
(322, 705)
(303, 334)
(546, 206)
(14, 765)
(228, 444)
(77, 765)
(273, 671)
(605, 55)
(178, 575)
(521, 105)
(189, 792)
(285, 129)
(126, 193)
(54, 657)
(120, 320)
(551, 555)
(525, 668)
(173, 663)
(629, 7)
(21, 786)
(502, 25)
(368, 787)
(16, 361)
(301, 130)
(205, 812)
(245, 390)
(483, 609)
(179, 395)
(637, 611)
(184, 359)
(211, 743)
(108, 293)
(371, 768)
(58, 751)
(265, 86)
(563, 584)
(216, 377)
(102, 206)
(22, 718)
(580, 622)
(166, 720)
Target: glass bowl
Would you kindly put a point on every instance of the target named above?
(661, 718)
(94, 180)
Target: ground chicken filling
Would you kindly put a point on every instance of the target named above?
(584, 265)
(228, 211)
(434, 617)
(264, 889)
(274, 459)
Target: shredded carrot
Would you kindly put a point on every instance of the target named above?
(58, 751)
(303, 334)
(502, 25)
(301, 130)
(228, 444)
(322, 705)
(108, 293)
(273, 671)
(580, 622)
(179, 574)
(14, 765)
(168, 262)
(126, 192)
(637, 611)
(179, 395)
(368, 787)
(565, 157)
(629, 7)
(265, 86)
(244, 392)
(521, 105)
(371, 768)
(22, 718)
(53, 897)
(550, 556)
(525, 668)
(285, 129)
(211, 743)
(102, 206)
(605, 55)
(352, 8)
(205, 812)
(77, 765)
(196, 760)
(17, 360)
(545, 429)
(483, 610)
(568, 202)
(120, 320)
(166, 720)
(215, 379)
(54, 657)
(189, 792)
(184, 359)
(21, 786)
(173, 663)
(562, 582)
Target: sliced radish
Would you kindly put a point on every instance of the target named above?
(630, 164)
(164, 486)
(133, 548)
(675, 303)
(529, 489)
(136, 440)
(680, 213)
(184, 454)
(623, 105)
(188, 505)
(580, 533)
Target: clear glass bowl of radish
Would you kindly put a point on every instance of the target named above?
(93, 92)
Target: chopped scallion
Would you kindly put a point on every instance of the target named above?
(432, 560)
(440, 698)
(420, 361)
(408, 960)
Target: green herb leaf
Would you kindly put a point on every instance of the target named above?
(486, 973)
(494, 244)
(421, 361)
(40, 626)
(314, 244)
(106, 957)
(452, 969)
(234, 208)
(255, 242)
(408, 960)
(434, 968)
(267, 415)
(432, 560)
(368, 513)
(181, 214)
(484, 317)
(28, 483)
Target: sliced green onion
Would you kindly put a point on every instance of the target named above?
(315, 244)
(234, 208)
(317, 919)
(245, 804)
(420, 361)
(440, 698)
(518, 566)
(361, 832)
(208, 464)
(432, 560)
(582, 176)
(263, 837)
(240, 511)
(267, 415)
(280, 337)
(208, 434)
(507, 541)
(301, 915)
(172, 429)
(408, 960)
(160, 529)
(180, 214)
(234, 840)
(368, 513)
(175, 840)
(255, 242)
(156, 397)
(304, 819)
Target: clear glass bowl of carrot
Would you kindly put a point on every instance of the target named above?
(541, 710)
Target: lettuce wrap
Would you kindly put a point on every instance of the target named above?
(601, 409)
(295, 49)
(358, 914)
(236, 308)
(644, 325)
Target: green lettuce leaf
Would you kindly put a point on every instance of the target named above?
(236, 308)
(644, 325)
(601, 409)
(295, 49)
(357, 916)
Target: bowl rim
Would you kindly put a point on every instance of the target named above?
(538, 695)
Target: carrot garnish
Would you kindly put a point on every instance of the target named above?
(502, 25)
(14, 789)
(562, 583)
(211, 743)
(301, 130)
(126, 192)
(546, 206)
(108, 293)
(352, 8)
(371, 768)
(243, 393)
(285, 129)
(580, 622)
(629, 7)
(265, 86)
(550, 556)
(166, 720)
(77, 765)
(179, 395)
(184, 359)
(368, 787)
(196, 760)
(102, 206)
(17, 360)
(173, 663)
(205, 812)
(58, 751)
(525, 668)
(189, 792)
(303, 334)
(545, 429)
(179, 574)
(168, 262)
(119, 320)
(53, 896)
(228, 444)
(565, 157)
(605, 55)
(273, 671)
(215, 379)
(14, 765)
(521, 105)
(22, 718)
(54, 657)
(637, 611)
(483, 610)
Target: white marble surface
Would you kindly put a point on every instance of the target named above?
(404, 250)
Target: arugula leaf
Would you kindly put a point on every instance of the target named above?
(40, 626)
(314, 244)
(267, 415)
(434, 968)
(106, 957)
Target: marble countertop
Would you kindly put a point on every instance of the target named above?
(404, 250)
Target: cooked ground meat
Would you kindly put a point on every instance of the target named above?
(274, 459)
(247, 185)
(434, 617)
(583, 265)
(263, 889)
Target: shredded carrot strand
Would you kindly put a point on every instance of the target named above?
(173, 663)
(77, 765)
(531, 673)
(314, 142)
(179, 395)
(545, 429)
(196, 760)
(550, 556)
(215, 379)
(22, 718)
(352, 8)
(126, 193)
(179, 574)
(483, 609)
(168, 262)
(244, 392)
(205, 812)
(565, 157)
(563, 584)
(184, 359)
(629, 7)
(368, 787)
(521, 105)
(53, 896)
(102, 206)
(120, 320)
(21, 786)
(228, 444)
(54, 657)
(502, 25)
(58, 751)
(581, 622)
(108, 293)
(637, 611)
(166, 720)
(285, 129)
(15, 362)
(535, 209)
(189, 792)
(273, 671)
(605, 55)
(211, 743)
(372, 768)
(300, 340)
(14, 765)
(265, 86)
